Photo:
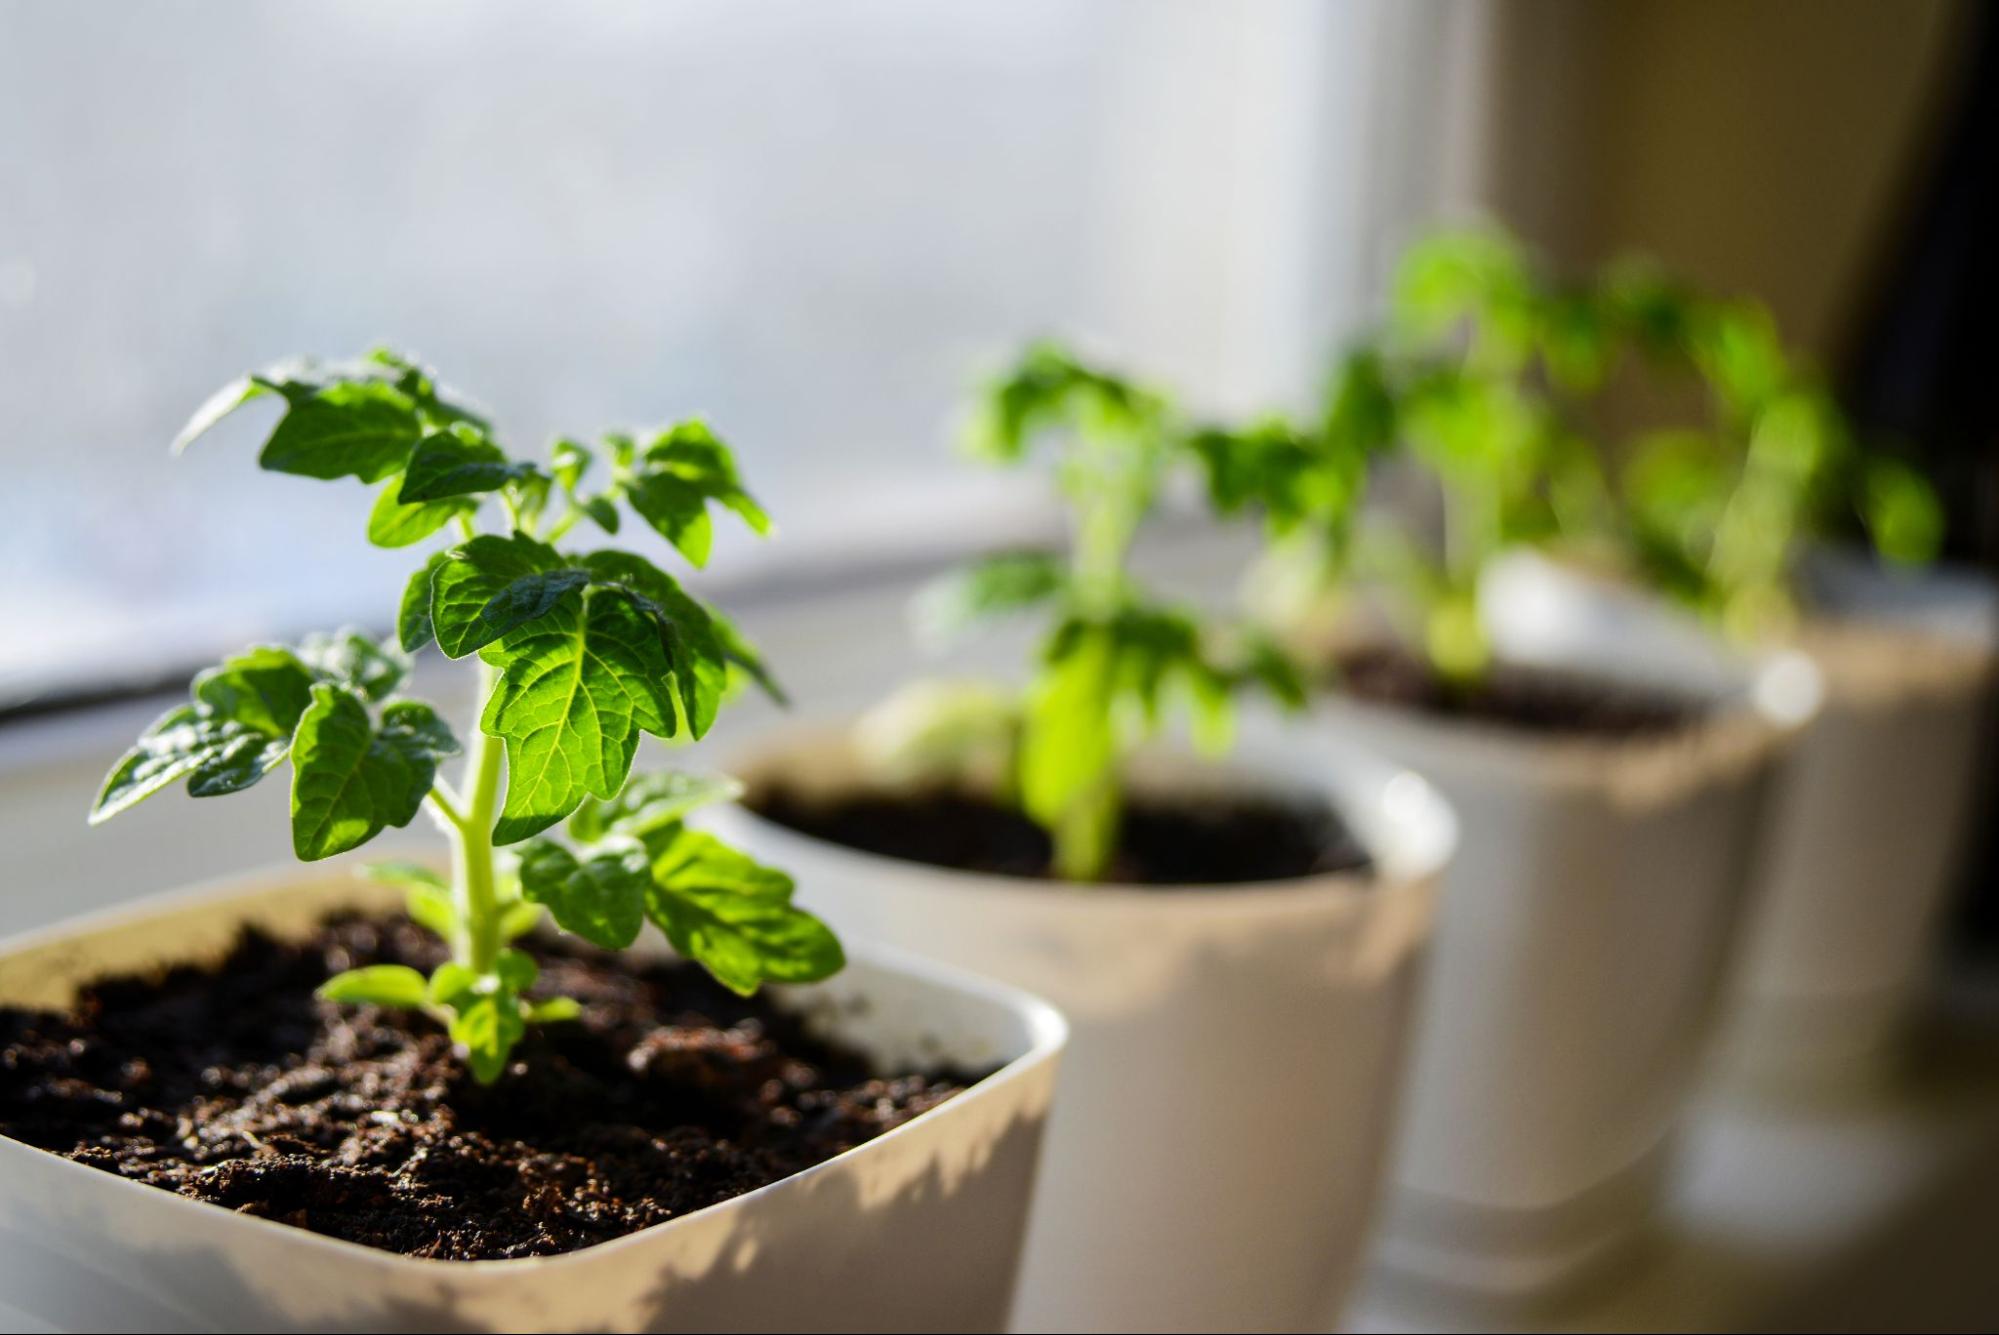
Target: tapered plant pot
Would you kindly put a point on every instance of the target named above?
(1870, 811)
(918, 1229)
(1578, 962)
(1867, 827)
(1236, 1050)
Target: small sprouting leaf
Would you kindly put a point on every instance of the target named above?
(427, 898)
(488, 1025)
(734, 917)
(457, 461)
(391, 523)
(599, 897)
(577, 687)
(413, 625)
(516, 969)
(353, 428)
(349, 781)
(554, 1010)
(491, 585)
(451, 983)
(431, 907)
(518, 919)
(602, 512)
(395, 985)
(651, 802)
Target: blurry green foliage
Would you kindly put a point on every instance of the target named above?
(1117, 662)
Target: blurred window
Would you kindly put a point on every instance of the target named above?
(813, 222)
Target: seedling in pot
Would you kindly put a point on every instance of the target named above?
(1492, 381)
(578, 653)
(1116, 660)
(1716, 512)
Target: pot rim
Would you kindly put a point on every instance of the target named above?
(1047, 1029)
(1421, 827)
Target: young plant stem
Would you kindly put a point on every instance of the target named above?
(473, 880)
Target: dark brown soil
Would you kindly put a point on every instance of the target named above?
(1524, 699)
(1230, 842)
(234, 1085)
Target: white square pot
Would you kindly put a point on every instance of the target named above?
(1582, 940)
(1867, 826)
(1236, 1050)
(918, 1229)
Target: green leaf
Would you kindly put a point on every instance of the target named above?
(452, 983)
(554, 1010)
(999, 584)
(409, 875)
(1902, 512)
(678, 512)
(492, 585)
(432, 908)
(394, 524)
(518, 919)
(417, 730)
(488, 1026)
(237, 729)
(243, 389)
(602, 512)
(457, 461)
(599, 897)
(355, 658)
(349, 781)
(569, 460)
(395, 985)
(516, 969)
(183, 743)
(413, 624)
(265, 688)
(686, 468)
(1049, 389)
(651, 802)
(577, 687)
(733, 916)
(690, 636)
(362, 429)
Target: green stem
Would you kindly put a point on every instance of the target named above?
(473, 879)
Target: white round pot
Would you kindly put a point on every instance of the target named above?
(1583, 935)
(916, 1230)
(1866, 827)
(1236, 1051)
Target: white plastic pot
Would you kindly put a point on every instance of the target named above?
(1236, 1051)
(1867, 826)
(1584, 933)
(917, 1230)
